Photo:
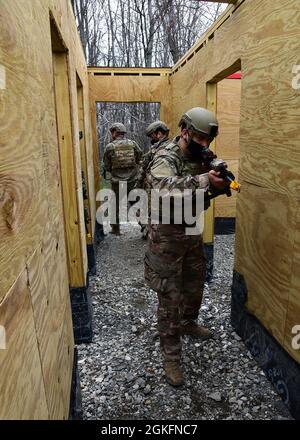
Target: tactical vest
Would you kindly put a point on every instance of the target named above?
(123, 154)
(182, 167)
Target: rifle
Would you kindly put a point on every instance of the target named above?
(219, 165)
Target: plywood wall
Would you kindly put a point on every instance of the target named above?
(128, 85)
(262, 38)
(36, 367)
(228, 141)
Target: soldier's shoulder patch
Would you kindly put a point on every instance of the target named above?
(170, 146)
(161, 152)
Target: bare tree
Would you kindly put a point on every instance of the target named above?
(138, 33)
(149, 33)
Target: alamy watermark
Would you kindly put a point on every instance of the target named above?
(2, 338)
(296, 79)
(156, 206)
(296, 339)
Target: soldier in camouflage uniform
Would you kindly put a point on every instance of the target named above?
(121, 158)
(174, 261)
(158, 131)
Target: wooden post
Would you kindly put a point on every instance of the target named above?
(75, 240)
(208, 234)
(83, 156)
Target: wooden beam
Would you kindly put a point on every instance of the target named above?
(67, 161)
(135, 71)
(134, 84)
(232, 2)
(207, 36)
(84, 161)
(208, 234)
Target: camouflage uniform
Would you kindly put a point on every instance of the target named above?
(128, 174)
(148, 157)
(142, 181)
(174, 261)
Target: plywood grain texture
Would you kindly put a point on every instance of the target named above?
(228, 141)
(228, 114)
(50, 309)
(34, 282)
(65, 363)
(22, 390)
(266, 223)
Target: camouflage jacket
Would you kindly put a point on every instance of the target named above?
(171, 169)
(149, 156)
(128, 174)
(146, 161)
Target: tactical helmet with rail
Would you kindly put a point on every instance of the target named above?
(156, 125)
(200, 120)
(118, 127)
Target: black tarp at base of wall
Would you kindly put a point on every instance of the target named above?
(280, 368)
(76, 412)
(82, 314)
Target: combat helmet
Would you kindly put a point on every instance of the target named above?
(201, 121)
(156, 125)
(118, 126)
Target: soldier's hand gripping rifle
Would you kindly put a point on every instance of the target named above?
(220, 166)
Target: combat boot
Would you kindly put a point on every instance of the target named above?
(193, 329)
(115, 229)
(173, 373)
(145, 232)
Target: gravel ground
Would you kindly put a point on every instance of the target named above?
(121, 374)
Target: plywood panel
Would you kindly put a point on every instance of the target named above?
(228, 142)
(51, 308)
(264, 240)
(293, 310)
(226, 206)
(65, 355)
(31, 211)
(129, 87)
(21, 384)
(228, 114)
(253, 34)
(22, 203)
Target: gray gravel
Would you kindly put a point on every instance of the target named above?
(121, 374)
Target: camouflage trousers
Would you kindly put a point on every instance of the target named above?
(175, 269)
(115, 188)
